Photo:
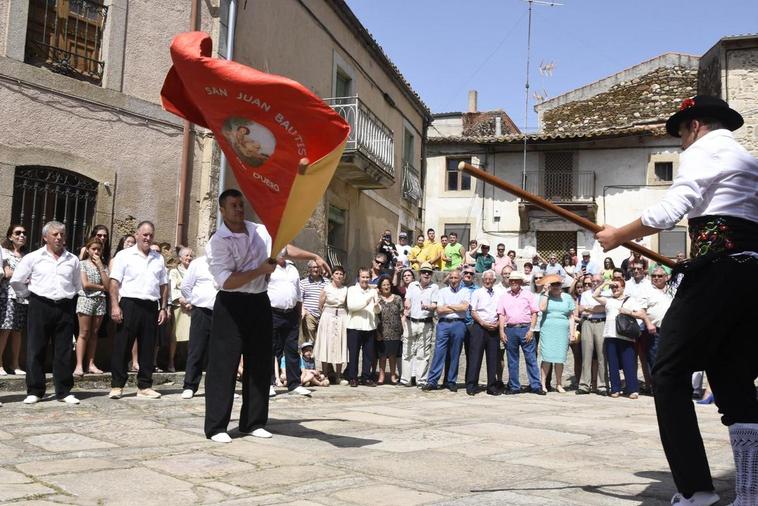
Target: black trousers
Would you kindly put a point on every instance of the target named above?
(197, 358)
(241, 326)
(49, 320)
(286, 333)
(482, 341)
(358, 340)
(708, 327)
(140, 322)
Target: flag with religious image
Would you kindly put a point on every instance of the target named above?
(268, 127)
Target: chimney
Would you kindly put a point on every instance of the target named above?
(498, 126)
(472, 101)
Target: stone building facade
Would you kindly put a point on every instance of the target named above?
(84, 138)
(377, 186)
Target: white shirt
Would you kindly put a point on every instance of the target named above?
(402, 254)
(140, 276)
(284, 287)
(237, 252)
(588, 301)
(448, 297)
(656, 302)
(484, 304)
(361, 306)
(198, 286)
(717, 176)
(417, 295)
(612, 306)
(635, 289)
(42, 274)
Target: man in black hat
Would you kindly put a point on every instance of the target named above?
(716, 190)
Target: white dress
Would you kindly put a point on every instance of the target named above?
(331, 337)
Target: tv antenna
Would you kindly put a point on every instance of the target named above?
(526, 87)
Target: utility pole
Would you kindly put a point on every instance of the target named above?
(526, 86)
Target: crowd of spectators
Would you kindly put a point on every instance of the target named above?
(406, 319)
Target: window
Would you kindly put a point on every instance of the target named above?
(343, 84)
(336, 242)
(66, 36)
(556, 243)
(456, 180)
(664, 171)
(462, 229)
(671, 242)
(558, 182)
(42, 194)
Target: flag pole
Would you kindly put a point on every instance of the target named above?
(555, 209)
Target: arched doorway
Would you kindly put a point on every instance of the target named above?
(42, 194)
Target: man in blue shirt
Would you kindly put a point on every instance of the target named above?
(452, 305)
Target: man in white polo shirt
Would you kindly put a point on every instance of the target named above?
(139, 292)
(200, 290)
(286, 299)
(420, 303)
(242, 321)
(51, 278)
(485, 336)
(452, 305)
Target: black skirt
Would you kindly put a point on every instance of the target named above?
(388, 349)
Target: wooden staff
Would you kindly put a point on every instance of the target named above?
(552, 208)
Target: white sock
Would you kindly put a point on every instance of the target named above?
(744, 437)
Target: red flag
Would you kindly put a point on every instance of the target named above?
(265, 124)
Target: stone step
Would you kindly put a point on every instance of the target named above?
(14, 383)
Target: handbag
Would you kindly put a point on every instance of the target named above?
(626, 325)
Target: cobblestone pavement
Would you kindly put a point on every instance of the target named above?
(384, 445)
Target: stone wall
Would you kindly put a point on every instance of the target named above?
(742, 92)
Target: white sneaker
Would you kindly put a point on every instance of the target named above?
(221, 437)
(697, 499)
(188, 394)
(69, 399)
(116, 393)
(19, 372)
(300, 391)
(271, 391)
(262, 433)
(344, 382)
(31, 399)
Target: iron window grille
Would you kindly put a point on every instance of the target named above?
(43, 194)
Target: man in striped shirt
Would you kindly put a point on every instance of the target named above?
(310, 288)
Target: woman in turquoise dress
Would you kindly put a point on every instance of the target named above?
(556, 328)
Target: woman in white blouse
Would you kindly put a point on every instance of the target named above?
(331, 337)
(362, 306)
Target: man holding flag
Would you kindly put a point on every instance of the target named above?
(239, 261)
(283, 143)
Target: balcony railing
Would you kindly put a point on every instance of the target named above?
(562, 186)
(67, 37)
(411, 183)
(336, 256)
(368, 135)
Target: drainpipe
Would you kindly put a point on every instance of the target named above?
(229, 57)
(188, 137)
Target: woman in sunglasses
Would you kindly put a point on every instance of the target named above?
(557, 329)
(12, 309)
(619, 350)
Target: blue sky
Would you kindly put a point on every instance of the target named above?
(446, 47)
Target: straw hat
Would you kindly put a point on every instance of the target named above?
(549, 279)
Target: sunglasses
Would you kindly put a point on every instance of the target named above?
(101, 235)
(557, 283)
(426, 273)
(587, 284)
(19, 232)
(636, 268)
(657, 275)
(500, 249)
(615, 286)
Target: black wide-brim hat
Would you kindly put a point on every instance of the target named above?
(704, 106)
